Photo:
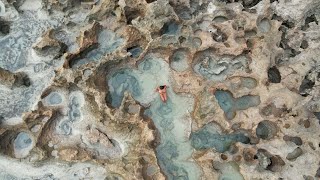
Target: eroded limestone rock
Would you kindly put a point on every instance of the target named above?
(78, 80)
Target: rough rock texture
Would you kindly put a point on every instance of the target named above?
(78, 80)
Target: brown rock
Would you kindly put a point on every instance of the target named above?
(71, 154)
(49, 45)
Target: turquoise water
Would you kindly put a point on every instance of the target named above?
(22, 144)
(172, 118)
(248, 82)
(228, 171)
(179, 60)
(210, 137)
(230, 105)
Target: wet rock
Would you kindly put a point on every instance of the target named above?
(264, 25)
(294, 154)
(295, 139)
(268, 161)
(308, 20)
(305, 86)
(132, 13)
(4, 27)
(250, 33)
(274, 75)
(219, 36)
(318, 173)
(266, 129)
(135, 51)
(250, 3)
(317, 114)
(311, 146)
(170, 28)
(271, 109)
(304, 44)
(308, 177)
(183, 12)
(220, 19)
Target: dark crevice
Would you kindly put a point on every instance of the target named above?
(4, 27)
(219, 36)
(200, 9)
(16, 3)
(317, 114)
(276, 17)
(304, 44)
(22, 79)
(183, 12)
(228, 1)
(250, 3)
(245, 3)
(170, 28)
(309, 81)
(308, 20)
(81, 55)
(182, 39)
(289, 52)
(150, 1)
(14, 80)
(274, 75)
(288, 24)
(131, 14)
(306, 86)
(135, 51)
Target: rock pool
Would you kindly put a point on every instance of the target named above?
(172, 118)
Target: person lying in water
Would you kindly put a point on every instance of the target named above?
(163, 92)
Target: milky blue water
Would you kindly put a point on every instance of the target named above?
(179, 60)
(22, 144)
(172, 118)
(210, 137)
(230, 105)
(228, 171)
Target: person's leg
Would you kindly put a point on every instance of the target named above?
(165, 97)
(162, 97)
